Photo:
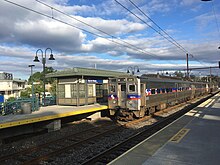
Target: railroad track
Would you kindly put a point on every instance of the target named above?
(113, 152)
(35, 155)
(47, 153)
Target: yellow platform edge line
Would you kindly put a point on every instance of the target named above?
(180, 135)
(44, 118)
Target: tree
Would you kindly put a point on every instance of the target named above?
(179, 74)
(26, 93)
(38, 77)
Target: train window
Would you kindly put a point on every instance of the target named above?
(153, 91)
(158, 91)
(131, 88)
(123, 87)
(112, 80)
(112, 88)
(130, 79)
(163, 90)
(167, 90)
(121, 80)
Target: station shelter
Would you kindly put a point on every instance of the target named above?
(82, 86)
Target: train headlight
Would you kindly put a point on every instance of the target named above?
(114, 101)
(130, 102)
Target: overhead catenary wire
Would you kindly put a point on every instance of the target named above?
(151, 27)
(216, 20)
(72, 17)
(157, 25)
(169, 38)
(61, 21)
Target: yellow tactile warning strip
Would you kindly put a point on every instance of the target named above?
(176, 138)
(49, 117)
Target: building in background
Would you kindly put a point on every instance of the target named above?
(10, 87)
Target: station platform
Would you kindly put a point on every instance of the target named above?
(193, 139)
(47, 113)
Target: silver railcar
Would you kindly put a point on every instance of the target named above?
(134, 96)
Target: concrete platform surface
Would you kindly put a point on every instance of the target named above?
(194, 139)
(48, 113)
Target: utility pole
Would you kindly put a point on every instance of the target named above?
(187, 65)
(211, 79)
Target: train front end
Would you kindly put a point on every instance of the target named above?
(124, 96)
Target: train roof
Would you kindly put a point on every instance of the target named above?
(167, 79)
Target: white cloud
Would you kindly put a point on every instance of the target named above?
(188, 2)
(23, 32)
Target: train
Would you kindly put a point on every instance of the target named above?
(133, 96)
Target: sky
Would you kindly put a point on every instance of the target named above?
(154, 35)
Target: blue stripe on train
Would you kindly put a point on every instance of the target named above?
(133, 97)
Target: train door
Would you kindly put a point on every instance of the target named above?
(176, 90)
(193, 88)
(122, 96)
(143, 95)
(113, 96)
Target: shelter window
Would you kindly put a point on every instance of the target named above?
(82, 91)
(131, 88)
(99, 90)
(74, 90)
(61, 92)
(90, 90)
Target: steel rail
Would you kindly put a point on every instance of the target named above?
(115, 151)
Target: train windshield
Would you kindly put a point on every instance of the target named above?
(131, 88)
(112, 88)
(123, 87)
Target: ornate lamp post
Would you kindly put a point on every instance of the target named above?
(132, 69)
(32, 84)
(44, 63)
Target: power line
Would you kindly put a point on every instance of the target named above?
(216, 21)
(151, 27)
(61, 21)
(72, 17)
(157, 25)
(52, 17)
(170, 39)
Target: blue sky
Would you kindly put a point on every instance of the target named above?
(127, 41)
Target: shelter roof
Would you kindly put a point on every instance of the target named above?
(89, 72)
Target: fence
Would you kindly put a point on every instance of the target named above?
(13, 107)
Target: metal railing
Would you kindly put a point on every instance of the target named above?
(15, 106)
(49, 101)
